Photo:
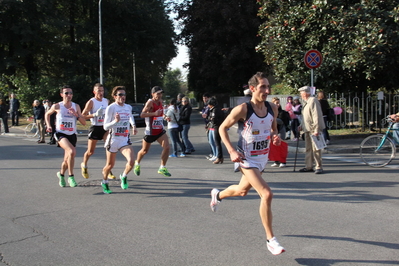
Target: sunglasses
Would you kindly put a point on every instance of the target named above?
(68, 93)
(121, 94)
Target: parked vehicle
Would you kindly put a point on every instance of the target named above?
(137, 108)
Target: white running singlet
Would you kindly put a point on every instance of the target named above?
(99, 120)
(65, 122)
(255, 139)
(119, 133)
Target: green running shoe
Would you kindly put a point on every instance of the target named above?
(62, 180)
(164, 171)
(124, 184)
(72, 182)
(137, 169)
(106, 189)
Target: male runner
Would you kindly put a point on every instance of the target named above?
(118, 118)
(94, 110)
(251, 156)
(154, 131)
(68, 113)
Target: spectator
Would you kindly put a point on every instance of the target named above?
(38, 115)
(216, 117)
(185, 114)
(172, 116)
(288, 108)
(47, 106)
(4, 115)
(204, 114)
(14, 110)
(296, 118)
(324, 108)
(312, 124)
(283, 120)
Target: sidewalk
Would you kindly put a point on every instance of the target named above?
(339, 144)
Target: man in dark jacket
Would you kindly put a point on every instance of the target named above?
(14, 110)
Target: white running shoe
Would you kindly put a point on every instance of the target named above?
(274, 247)
(282, 165)
(275, 165)
(214, 199)
(213, 158)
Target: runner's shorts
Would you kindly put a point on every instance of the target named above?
(114, 144)
(96, 132)
(72, 138)
(152, 138)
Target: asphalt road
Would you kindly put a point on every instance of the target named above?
(347, 216)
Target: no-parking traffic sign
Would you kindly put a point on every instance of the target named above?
(313, 59)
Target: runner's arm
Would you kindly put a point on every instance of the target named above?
(238, 113)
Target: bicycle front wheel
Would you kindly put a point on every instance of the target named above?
(377, 150)
(31, 130)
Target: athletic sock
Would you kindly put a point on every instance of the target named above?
(105, 181)
(217, 197)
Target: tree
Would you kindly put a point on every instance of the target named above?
(221, 37)
(358, 39)
(172, 82)
(57, 41)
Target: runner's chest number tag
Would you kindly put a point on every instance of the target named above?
(157, 123)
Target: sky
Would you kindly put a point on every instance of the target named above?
(180, 59)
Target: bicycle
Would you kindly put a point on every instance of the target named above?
(379, 150)
(31, 130)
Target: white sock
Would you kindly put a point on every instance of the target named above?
(162, 166)
(105, 181)
(124, 174)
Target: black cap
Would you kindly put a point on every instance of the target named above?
(156, 89)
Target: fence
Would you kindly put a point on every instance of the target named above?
(359, 110)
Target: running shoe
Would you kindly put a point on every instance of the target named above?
(182, 155)
(274, 247)
(85, 173)
(213, 158)
(72, 182)
(282, 165)
(164, 171)
(173, 156)
(111, 175)
(275, 165)
(214, 199)
(124, 184)
(106, 189)
(62, 180)
(137, 169)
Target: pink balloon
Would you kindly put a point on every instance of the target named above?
(337, 110)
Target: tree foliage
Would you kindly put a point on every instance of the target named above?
(58, 41)
(172, 82)
(221, 37)
(359, 41)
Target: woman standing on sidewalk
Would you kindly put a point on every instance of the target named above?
(185, 114)
(216, 117)
(172, 116)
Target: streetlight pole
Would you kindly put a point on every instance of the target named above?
(134, 77)
(100, 39)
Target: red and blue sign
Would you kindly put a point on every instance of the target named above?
(313, 59)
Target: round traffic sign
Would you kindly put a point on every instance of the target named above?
(313, 59)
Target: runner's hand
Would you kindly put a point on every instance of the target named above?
(237, 157)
